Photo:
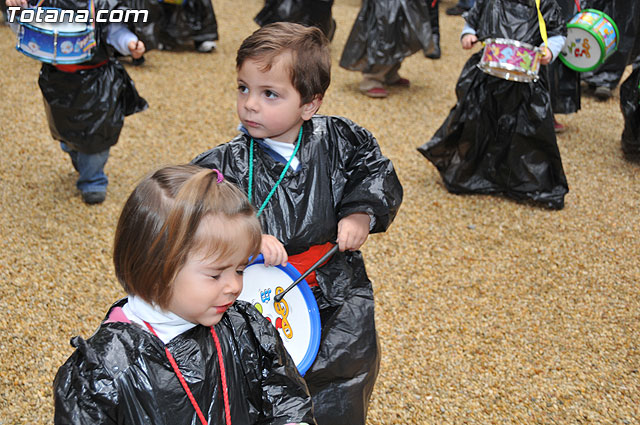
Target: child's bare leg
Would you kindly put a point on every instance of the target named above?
(372, 83)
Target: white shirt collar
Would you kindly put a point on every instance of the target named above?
(166, 324)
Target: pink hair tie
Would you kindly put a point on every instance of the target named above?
(220, 176)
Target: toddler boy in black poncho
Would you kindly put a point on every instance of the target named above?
(337, 185)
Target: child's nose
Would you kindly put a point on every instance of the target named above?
(234, 285)
(251, 103)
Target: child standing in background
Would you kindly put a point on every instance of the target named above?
(384, 33)
(86, 103)
(499, 137)
(314, 180)
(180, 349)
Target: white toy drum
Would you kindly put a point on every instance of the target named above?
(296, 316)
(58, 42)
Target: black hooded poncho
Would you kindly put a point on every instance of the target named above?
(342, 172)
(630, 106)
(121, 375)
(385, 32)
(499, 137)
(315, 13)
(626, 15)
(86, 109)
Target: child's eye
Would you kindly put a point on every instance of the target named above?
(240, 271)
(270, 94)
(243, 89)
(216, 277)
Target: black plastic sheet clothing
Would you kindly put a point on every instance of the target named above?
(121, 375)
(630, 106)
(86, 109)
(192, 21)
(626, 15)
(385, 32)
(306, 12)
(564, 83)
(499, 137)
(148, 32)
(342, 172)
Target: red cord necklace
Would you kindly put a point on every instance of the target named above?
(223, 378)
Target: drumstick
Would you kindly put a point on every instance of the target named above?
(324, 258)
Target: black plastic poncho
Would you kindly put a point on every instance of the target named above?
(150, 32)
(385, 32)
(564, 83)
(626, 15)
(315, 13)
(121, 375)
(630, 106)
(193, 20)
(499, 137)
(342, 172)
(86, 109)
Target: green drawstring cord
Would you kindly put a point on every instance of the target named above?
(284, 171)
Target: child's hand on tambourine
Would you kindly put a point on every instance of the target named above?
(468, 41)
(353, 231)
(136, 48)
(273, 251)
(546, 59)
(14, 3)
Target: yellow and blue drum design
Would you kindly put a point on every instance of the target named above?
(296, 316)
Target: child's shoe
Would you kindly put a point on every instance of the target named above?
(435, 53)
(398, 81)
(376, 92)
(137, 62)
(205, 46)
(602, 93)
(94, 197)
(559, 128)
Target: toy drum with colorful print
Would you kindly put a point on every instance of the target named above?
(510, 60)
(592, 37)
(296, 317)
(58, 42)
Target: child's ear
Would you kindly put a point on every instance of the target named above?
(309, 109)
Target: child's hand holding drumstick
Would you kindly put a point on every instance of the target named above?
(468, 41)
(548, 56)
(136, 48)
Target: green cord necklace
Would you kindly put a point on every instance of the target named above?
(284, 171)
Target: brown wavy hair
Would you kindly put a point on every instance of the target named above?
(157, 228)
(310, 66)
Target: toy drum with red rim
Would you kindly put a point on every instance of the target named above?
(510, 60)
(296, 317)
(592, 37)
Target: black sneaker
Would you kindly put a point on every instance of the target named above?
(602, 93)
(456, 10)
(137, 62)
(94, 197)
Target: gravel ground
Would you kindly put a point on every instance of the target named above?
(489, 311)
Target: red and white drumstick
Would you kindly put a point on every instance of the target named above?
(324, 258)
